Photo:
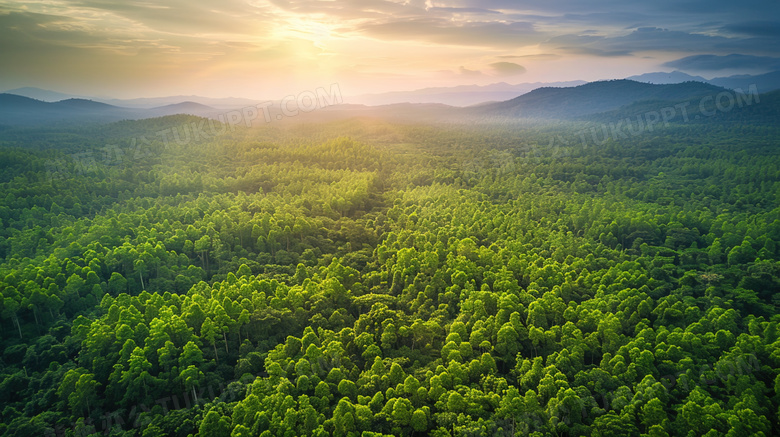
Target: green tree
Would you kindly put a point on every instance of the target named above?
(419, 421)
(215, 425)
(209, 332)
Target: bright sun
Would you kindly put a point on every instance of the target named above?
(312, 30)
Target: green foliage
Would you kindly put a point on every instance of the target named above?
(406, 280)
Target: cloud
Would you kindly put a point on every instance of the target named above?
(185, 17)
(732, 61)
(660, 9)
(757, 28)
(305, 40)
(496, 69)
(353, 9)
(536, 57)
(461, 10)
(446, 32)
(507, 69)
(562, 26)
(463, 71)
(652, 39)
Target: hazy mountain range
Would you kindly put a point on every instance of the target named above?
(464, 95)
(763, 82)
(144, 103)
(594, 98)
(20, 110)
(617, 103)
(562, 100)
(469, 95)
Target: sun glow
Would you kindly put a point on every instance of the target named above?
(318, 32)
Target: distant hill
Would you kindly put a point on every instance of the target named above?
(20, 110)
(41, 94)
(83, 105)
(660, 78)
(141, 103)
(605, 101)
(763, 82)
(463, 95)
(13, 101)
(158, 102)
(591, 98)
(190, 108)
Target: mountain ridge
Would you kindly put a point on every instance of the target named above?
(594, 100)
(591, 98)
(460, 95)
(21, 110)
(763, 82)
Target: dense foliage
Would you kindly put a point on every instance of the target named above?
(367, 278)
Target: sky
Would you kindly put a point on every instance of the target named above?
(265, 49)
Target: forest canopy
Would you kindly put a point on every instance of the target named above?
(365, 278)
